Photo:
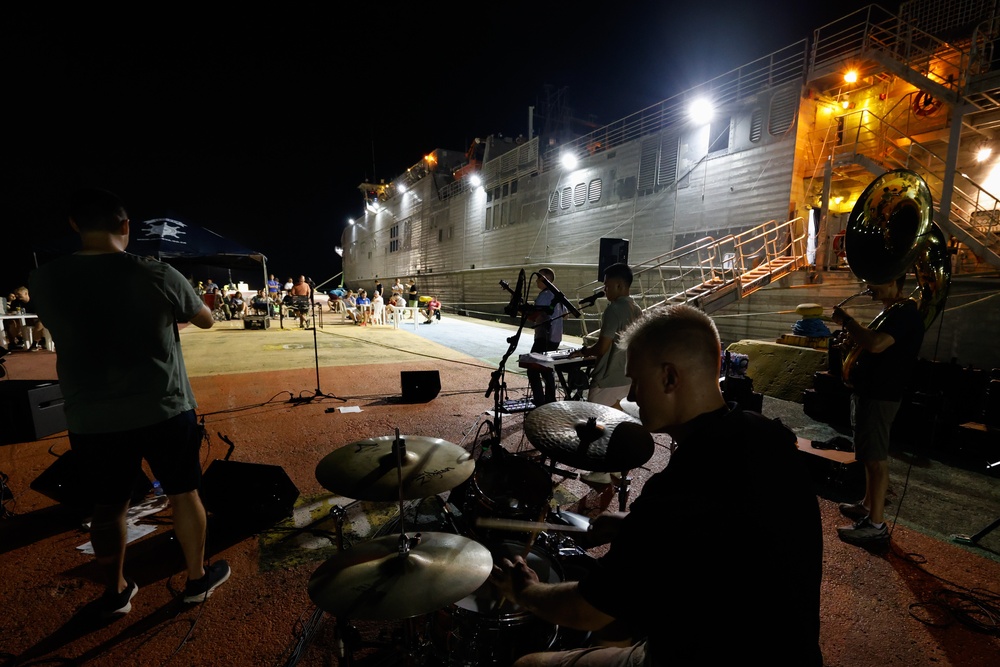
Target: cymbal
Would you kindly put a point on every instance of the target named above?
(589, 436)
(377, 580)
(367, 469)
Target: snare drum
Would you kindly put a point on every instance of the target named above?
(510, 488)
(478, 630)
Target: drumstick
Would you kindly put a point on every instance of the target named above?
(527, 526)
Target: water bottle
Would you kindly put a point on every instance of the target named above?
(157, 489)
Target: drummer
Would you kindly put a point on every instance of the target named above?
(729, 527)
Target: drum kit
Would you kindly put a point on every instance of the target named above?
(436, 582)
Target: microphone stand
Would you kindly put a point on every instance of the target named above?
(318, 394)
(498, 387)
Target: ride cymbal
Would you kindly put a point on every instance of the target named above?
(381, 580)
(367, 470)
(589, 436)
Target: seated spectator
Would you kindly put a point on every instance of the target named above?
(351, 306)
(210, 287)
(261, 304)
(364, 313)
(397, 302)
(238, 305)
(20, 302)
(433, 310)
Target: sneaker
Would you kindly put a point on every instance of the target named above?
(110, 606)
(200, 590)
(855, 511)
(863, 532)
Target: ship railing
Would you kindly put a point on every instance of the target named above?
(780, 67)
(879, 145)
(710, 273)
(874, 33)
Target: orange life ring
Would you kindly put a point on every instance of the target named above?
(925, 104)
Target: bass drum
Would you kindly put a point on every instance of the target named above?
(481, 630)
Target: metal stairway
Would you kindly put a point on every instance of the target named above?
(711, 273)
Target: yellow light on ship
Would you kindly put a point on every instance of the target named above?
(475, 181)
(851, 76)
(430, 159)
(568, 160)
(983, 154)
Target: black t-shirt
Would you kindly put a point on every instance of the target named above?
(886, 375)
(413, 292)
(726, 542)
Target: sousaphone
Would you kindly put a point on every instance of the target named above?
(891, 231)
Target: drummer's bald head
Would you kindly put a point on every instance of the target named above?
(676, 333)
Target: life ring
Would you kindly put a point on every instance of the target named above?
(925, 104)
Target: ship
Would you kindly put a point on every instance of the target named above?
(735, 195)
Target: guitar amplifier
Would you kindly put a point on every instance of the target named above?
(256, 322)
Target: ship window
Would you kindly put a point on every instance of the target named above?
(440, 235)
(489, 218)
(594, 193)
(668, 160)
(580, 194)
(782, 111)
(496, 192)
(503, 214)
(756, 125)
(513, 187)
(489, 196)
(567, 194)
(506, 189)
(554, 202)
(718, 135)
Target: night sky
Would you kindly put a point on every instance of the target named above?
(261, 125)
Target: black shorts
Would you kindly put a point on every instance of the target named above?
(112, 462)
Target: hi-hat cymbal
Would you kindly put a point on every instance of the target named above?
(367, 470)
(378, 580)
(588, 436)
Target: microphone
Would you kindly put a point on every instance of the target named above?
(589, 301)
(559, 297)
(515, 298)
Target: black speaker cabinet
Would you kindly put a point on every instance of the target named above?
(256, 322)
(30, 410)
(248, 491)
(420, 386)
(613, 251)
(65, 483)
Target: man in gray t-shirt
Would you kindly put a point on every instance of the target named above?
(127, 398)
(608, 383)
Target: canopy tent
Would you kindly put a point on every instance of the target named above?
(178, 244)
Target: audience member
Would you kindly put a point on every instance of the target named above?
(433, 310)
(300, 294)
(273, 289)
(261, 304)
(238, 305)
(18, 334)
(364, 310)
(397, 287)
(413, 295)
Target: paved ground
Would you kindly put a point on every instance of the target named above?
(924, 602)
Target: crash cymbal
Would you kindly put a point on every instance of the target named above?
(378, 580)
(588, 436)
(367, 470)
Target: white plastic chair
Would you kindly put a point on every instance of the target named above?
(378, 314)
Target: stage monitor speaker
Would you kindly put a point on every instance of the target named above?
(256, 322)
(30, 410)
(64, 483)
(250, 491)
(613, 251)
(420, 386)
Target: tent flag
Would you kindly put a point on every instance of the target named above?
(168, 239)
